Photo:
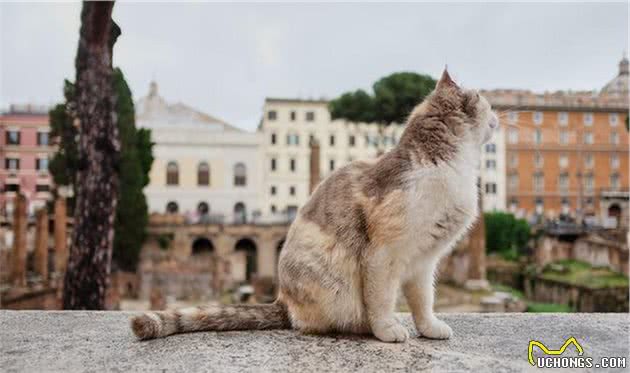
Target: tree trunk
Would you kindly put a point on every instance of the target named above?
(87, 274)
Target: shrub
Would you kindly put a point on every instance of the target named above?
(505, 234)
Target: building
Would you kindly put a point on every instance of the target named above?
(492, 172)
(288, 127)
(566, 152)
(204, 168)
(25, 150)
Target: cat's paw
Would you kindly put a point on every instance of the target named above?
(435, 329)
(390, 331)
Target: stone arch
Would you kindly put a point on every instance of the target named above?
(248, 248)
(202, 245)
(614, 211)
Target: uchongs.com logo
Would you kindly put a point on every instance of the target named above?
(558, 358)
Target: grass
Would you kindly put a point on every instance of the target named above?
(515, 293)
(583, 274)
(547, 307)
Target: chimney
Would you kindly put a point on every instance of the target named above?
(18, 259)
(314, 176)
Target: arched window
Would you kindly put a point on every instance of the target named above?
(203, 208)
(240, 213)
(172, 174)
(203, 174)
(172, 208)
(240, 175)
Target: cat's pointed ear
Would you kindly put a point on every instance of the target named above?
(446, 81)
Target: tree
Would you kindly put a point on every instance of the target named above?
(87, 274)
(505, 234)
(135, 164)
(393, 99)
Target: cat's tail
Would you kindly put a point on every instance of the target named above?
(159, 324)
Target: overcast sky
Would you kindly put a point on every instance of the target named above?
(224, 59)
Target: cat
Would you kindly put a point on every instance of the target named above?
(370, 229)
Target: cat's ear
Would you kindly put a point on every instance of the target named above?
(446, 81)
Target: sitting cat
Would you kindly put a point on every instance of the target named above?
(368, 230)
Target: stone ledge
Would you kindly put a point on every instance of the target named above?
(35, 341)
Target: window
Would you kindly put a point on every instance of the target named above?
(513, 181)
(589, 183)
(203, 208)
(539, 203)
(563, 118)
(272, 115)
(273, 139)
(172, 173)
(512, 116)
(13, 137)
(563, 182)
(563, 161)
(293, 116)
(43, 138)
(293, 139)
(12, 163)
(588, 119)
(564, 137)
(203, 174)
(491, 188)
(538, 117)
(240, 174)
(614, 181)
(273, 164)
(41, 164)
(42, 188)
(332, 140)
(613, 119)
(172, 208)
(538, 160)
(588, 160)
(331, 163)
(351, 140)
(513, 203)
(310, 116)
(539, 181)
(538, 137)
(273, 209)
(292, 190)
(292, 164)
(240, 213)
(614, 138)
(491, 148)
(614, 161)
(513, 160)
(491, 164)
(513, 136)
(588, 138)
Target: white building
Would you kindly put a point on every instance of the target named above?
(287, 127)
(203, 168)
(493, 172)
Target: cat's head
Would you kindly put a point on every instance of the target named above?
(467, 113)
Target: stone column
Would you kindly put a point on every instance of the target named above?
(314, 176)
(18, 258)
(41, 244)
(477, 252)
(266, 256)
(61, 242)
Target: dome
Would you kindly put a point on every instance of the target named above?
(619, 85)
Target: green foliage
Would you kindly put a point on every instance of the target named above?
(393, 99)
(583, 274)
(547, 307)
(136, 157)
(515, 292)
(505, 234)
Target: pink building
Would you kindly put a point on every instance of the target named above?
(25, 149)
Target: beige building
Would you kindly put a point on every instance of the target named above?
(204, 168)
(287, 127)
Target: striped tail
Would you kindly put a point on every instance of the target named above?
(211, 318)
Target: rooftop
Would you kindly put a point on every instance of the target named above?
(81, 341)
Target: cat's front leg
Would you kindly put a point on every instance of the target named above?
(419, 293)
(380, 285)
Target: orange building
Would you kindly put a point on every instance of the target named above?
(567, 152)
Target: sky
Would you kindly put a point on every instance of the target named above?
(224, 59)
